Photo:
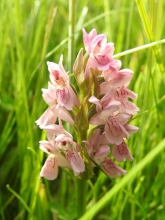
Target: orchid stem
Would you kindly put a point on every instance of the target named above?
(81, 188)
(81, 185)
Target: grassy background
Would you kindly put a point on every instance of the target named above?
(32, 32)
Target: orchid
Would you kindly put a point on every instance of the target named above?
(59, 78)
(99, 50)
(99, 113)
(55, 159)
(54, 111)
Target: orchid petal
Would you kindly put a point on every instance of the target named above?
(131, 129)
(50, 168)
(48, 117)
(111, 169)
(115, 132)
(121, 151)
(101, 153)
(75, 161)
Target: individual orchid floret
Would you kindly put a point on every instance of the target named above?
(97, 44)
(88, 38)
(58, 76)
(107, 165)
(64, 93)
(66, 97)
(114, 79)
(121, 152)
(115, 131)
(100, 52)
(111, 169)
(104, 107)
(54, 110)
(75, 161)
(55, 159)
(94, 141)
(53, 130)
(69, 147)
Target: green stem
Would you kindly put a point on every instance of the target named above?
(81, 189)
(81, 185)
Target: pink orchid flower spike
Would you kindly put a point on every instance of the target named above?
(100, 122)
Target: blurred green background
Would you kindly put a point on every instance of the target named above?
(35, 31)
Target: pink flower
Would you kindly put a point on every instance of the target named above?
(114, 78)
(53, 130)
(108, 115)
(55, 159)
(131, 129)
(62, 141)
(100, 52)
(58, 75)
(48, 117)
(110, 111)
(75, 161)
(128, 107)
(55, 110)
(101, 153)
(111, 169)
(107, 165)
(88, 38)
(121, 152)
(115, 131)
(70, 148)
(93, 142)
(66, 97)
(124, 93)
(97, 44)
(59, 78)
(104, 107)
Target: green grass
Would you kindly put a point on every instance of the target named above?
(33, 32)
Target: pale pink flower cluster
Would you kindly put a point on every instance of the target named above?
(113, 109)
(61, 149)
(110, 119)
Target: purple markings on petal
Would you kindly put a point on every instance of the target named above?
(121, 152)
(111, 169)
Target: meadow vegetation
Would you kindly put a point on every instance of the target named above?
(35, 31)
